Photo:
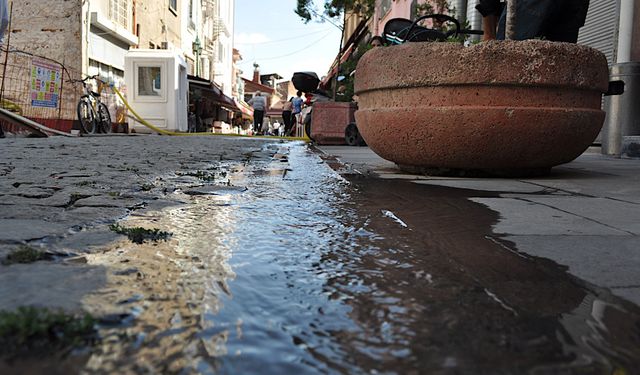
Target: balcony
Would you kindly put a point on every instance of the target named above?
(113, 29)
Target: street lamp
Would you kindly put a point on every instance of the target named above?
(197, 50)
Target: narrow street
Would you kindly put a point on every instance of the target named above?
(277, 263)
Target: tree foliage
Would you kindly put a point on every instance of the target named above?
(432, 7)
(306, 9)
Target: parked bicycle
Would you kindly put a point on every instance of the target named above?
(93, 115)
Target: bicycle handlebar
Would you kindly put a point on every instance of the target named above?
(439, 18)
(97, 76)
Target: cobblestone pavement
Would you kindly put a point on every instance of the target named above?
(275, 263)
(60, 194)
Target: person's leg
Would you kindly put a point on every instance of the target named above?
(489, 25)
(532, 19)
(296, 123)
(286, 117)
(255, 121)
(258, 117)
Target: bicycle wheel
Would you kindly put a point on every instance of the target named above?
(104, 118)
(86, 116)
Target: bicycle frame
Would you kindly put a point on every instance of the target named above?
(92, 113)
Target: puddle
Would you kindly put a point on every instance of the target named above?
(287, 268)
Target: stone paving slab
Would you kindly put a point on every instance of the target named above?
(20, 230)
(360, 158)
(609, 261)
(623, 216)
(631, 294)
(48, 284)
(497, 185)
(520, 217)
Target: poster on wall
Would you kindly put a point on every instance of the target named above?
(45, 83)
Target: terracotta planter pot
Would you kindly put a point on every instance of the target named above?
(499, 107)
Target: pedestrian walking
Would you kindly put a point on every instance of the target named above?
(286, 116)
(297, 109)
(259, 105)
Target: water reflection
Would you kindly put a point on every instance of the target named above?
(305, 272)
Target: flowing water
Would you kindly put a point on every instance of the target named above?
(286, 267)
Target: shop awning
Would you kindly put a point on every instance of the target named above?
(245, 108)
(212, 91)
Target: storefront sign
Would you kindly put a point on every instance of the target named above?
(45, 83)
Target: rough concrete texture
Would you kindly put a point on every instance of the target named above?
(532, 62)
(494, 106)
(468, 137)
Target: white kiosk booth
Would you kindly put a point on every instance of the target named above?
(157, 89)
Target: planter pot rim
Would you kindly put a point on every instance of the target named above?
(496, 63)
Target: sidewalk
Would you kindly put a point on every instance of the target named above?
(585, 215)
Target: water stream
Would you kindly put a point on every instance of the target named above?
(281, 266)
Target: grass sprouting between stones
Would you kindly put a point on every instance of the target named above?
(25, 254)
(201, 175)
(146, 187)
(139, 235)
(34, 328)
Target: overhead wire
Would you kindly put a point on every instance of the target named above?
(312, 44)
(325, 19)
(283, 40)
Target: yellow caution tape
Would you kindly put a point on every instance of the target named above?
(166, 132)
(11, 106)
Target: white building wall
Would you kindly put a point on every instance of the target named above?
(223, 61)
(191, 25)
(107, 33)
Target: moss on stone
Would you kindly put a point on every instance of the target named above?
(25, 254)
(139, 235)
(30, 328)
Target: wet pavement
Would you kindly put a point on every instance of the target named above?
(279, 264)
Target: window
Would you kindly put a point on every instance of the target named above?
(119, 12)
(192, 23)
(220, 52)
(173, 6)
(385, 6)
(149, 81)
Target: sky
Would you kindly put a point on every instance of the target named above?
(269, 33)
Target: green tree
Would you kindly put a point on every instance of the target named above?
(435, 6)
(306, 9)
(334, 9)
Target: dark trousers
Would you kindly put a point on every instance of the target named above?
(258, 117)
(554, 20)
(286, 117)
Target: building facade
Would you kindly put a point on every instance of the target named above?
(91, 37)
(67, 40)
(222, 43)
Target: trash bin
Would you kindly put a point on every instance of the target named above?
(623, 111)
